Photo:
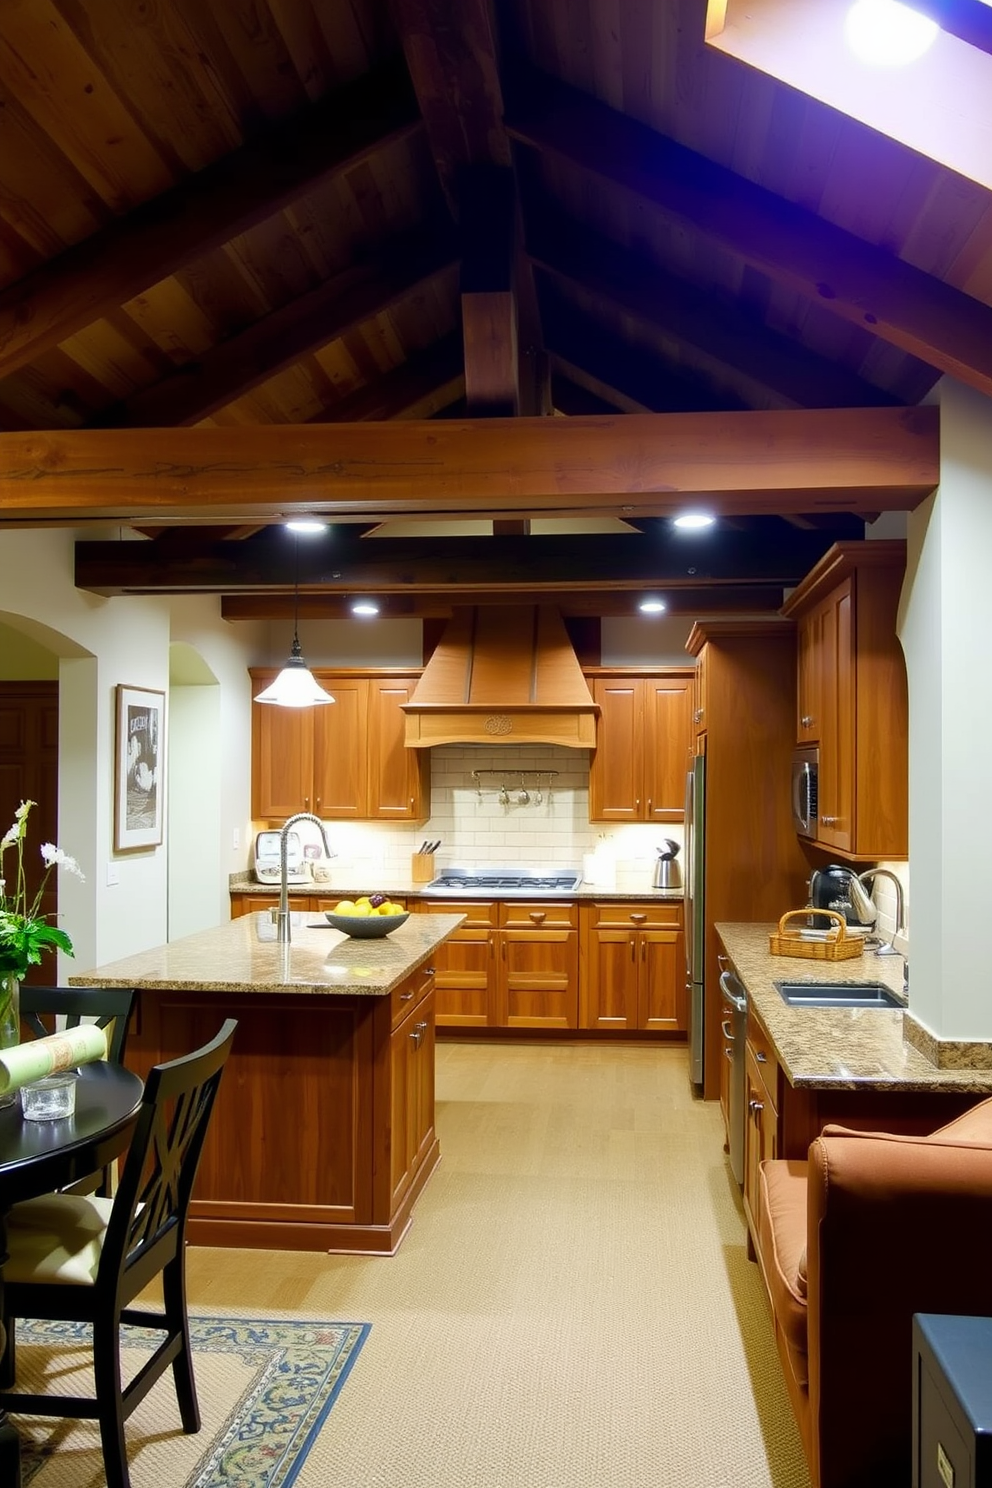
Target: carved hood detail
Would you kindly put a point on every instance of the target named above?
(503, 674)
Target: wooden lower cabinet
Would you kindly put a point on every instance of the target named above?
(323, 1133)
(781, 1120)
(508, 965)
(633, 969)
(412, 1138)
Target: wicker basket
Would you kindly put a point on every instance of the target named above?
(839, 947)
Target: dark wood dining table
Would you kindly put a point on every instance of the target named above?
(39, 1156)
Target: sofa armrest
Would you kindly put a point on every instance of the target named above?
(894, 1226)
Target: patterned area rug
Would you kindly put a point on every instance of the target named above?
(265, 1387)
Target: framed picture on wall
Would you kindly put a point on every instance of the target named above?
(139, 788)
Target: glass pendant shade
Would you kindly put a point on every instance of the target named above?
(295, 686)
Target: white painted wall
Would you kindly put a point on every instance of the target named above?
(945, 624)
(100, 643)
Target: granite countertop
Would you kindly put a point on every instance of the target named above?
(341, 887)
(838, 1048)
(244, 956)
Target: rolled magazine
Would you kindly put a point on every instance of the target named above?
(46, 1056)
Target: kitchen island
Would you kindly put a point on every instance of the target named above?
(323, 1134)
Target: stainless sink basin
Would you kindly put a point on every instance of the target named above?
(838, 994)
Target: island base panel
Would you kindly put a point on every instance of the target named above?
(211, 1228)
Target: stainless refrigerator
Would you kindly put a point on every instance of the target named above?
(695, 916)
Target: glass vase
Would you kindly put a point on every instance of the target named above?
(10, 1020)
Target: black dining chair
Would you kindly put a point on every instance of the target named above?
(83, 1258)
(110, 1007)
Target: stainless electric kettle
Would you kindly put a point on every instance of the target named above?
(667, 872)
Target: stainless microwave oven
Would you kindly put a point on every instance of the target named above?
(805, 783)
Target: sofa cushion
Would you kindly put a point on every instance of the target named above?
(782, 1240)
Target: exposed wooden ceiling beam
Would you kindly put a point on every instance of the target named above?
(305, 324)
(450, 52)
(270, 563)
(842, 273)
(487, 203)
(213, 206)
(422, 385)
(821, 459)
(644, 382)
(577, 400)
(721, 334)
(731, 599)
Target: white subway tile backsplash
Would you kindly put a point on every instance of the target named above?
(476, 829)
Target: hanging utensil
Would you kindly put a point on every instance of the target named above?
(538, 794)
(523, 794)
(504, 799)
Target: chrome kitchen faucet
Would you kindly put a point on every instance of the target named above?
(282, 913)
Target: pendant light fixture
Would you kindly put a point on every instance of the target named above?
(295, 686)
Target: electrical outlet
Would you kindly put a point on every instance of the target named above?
(236, 839)
(113, 875)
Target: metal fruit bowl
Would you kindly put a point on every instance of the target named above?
(366, 927)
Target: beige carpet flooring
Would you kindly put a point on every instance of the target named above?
(572, 1306)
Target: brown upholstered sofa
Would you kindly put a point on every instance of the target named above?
(869, 1230)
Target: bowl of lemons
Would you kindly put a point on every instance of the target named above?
(368, 918)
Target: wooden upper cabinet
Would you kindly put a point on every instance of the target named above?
(852, 684)
(342, 760)
(699, 693)
(642, 747)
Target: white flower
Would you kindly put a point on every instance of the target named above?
(23, 810)
(11, 835)
(54, 856)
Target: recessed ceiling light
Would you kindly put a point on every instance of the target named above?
(307, 526)
(365, 608)
(885, 33)
(652, 606)
(692, 521)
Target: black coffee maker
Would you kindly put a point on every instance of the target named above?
(838, 888)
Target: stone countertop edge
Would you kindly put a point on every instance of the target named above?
(243, 883)
(838, 1048)
(244, 956)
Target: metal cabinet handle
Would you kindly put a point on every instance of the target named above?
(729, 1054)
(829, 821)
(806, 720)
(723, 962)
(405, 996)
(417, 1034)
(637, 918)
(650, 805)
(429, 971)
(538, 916)
(725, 1029)
(755, 1106)
(644, 950)
(760, 1056)
(633, 949)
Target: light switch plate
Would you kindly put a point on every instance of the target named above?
(113, 875)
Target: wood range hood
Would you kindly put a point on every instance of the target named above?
(502, 674)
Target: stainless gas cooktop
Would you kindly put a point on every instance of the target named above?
(504, 883)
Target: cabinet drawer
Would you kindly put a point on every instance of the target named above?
(763, 1054)
(539, 916)
(641, 916)
(479, 914)
(410, 992)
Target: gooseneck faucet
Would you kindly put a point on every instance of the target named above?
(889, 950)
(282, 914)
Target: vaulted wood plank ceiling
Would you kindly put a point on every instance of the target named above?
(354, 212)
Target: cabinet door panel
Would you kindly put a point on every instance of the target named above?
(464, 967)
(836, 803)
(611, 994)
(395, 779)
(282, 761)
(341, 753)
(760, 1136)
(809, 645)
(661, 980)
(538, 979)
(616, 768)
(667, 709)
